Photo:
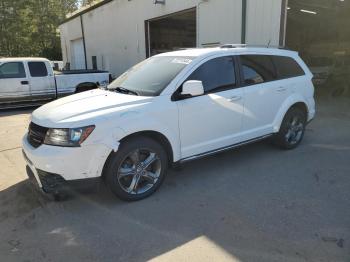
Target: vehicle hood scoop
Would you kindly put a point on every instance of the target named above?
(66, 111)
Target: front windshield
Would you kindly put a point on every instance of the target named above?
(151, 76)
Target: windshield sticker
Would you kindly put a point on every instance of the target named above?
(179, 60)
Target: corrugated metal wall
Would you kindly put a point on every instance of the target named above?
(263, 22)
(115, 32)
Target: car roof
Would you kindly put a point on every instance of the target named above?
(239, 49)
(22, 59)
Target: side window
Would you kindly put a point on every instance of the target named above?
(217, 74)
(12, 70)
(257, 69)
(287, 67)
(37, 69)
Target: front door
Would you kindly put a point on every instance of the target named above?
(14, 84)
(213, 120)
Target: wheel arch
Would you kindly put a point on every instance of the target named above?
(158, 137)
(297, 102)
(85, 86)
(155, 135)
(302, 106)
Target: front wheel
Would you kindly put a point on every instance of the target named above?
(137, 170)
(292, 129)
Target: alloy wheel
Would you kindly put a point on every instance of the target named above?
(139, 171)
(295, 130)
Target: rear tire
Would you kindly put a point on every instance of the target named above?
(137, 169)
(292, 129)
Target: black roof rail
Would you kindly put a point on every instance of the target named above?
(246, 45)
(271, 46)
(233, 45)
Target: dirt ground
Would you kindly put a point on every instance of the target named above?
(257, 203)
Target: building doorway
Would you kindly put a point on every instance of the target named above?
(320, 31)
(171, 32)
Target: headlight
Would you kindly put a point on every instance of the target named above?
(69, 137)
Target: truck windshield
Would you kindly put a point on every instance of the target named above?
(151, 76)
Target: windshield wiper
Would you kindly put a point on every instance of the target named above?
(126, 91)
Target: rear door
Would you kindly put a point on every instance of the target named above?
(14, 84)
(264, 94)
(42, 81)
(213, 120)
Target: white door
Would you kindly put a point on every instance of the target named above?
(42, 81)
(77, 54)
(213, 120)
(14, 84)
(264, 95)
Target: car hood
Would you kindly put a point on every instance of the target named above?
(80, 108)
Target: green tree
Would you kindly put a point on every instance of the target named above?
(30, 27)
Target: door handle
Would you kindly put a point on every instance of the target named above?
(25, 82)
(235, 98)
(281, 89)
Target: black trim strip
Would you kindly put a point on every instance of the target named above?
(223, 149)
(284, 14)
(83, 35)
(244, 21)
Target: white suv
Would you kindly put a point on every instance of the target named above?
(169, 109)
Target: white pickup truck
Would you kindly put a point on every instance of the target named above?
(32, 81)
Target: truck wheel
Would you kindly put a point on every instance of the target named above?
(137, 169)
(292, 129)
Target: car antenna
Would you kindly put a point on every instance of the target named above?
(268, 45)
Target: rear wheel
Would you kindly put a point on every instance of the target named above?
(292, 129)
(138, 169)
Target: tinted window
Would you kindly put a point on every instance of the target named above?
(257, 69)
(37, 69)
(12, 70)
(217, 74)
(287, 67)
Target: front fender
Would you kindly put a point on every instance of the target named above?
(110, 140)
(144, 124)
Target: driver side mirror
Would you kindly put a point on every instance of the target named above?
(192, 88)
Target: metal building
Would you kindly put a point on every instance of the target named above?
(115, 34)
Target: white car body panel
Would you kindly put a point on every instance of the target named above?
(218, 108)
(192, 126)
(261, 102)
(67, 83)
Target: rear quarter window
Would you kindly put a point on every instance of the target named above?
(287, 67)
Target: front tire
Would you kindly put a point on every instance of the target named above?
(292, 129)
(137, 169)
